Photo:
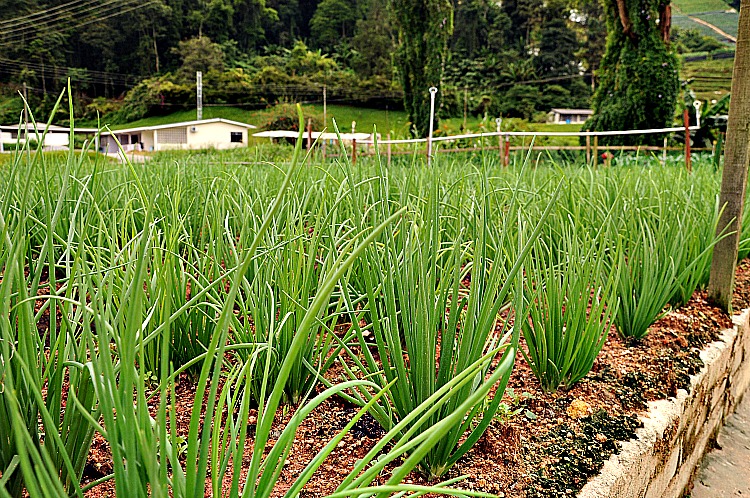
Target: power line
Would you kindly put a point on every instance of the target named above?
(35, 17)
(90, 73)
(60, 17)
(91, 80)
(71, 24)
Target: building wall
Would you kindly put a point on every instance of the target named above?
(51, 140)
(57, 140)
(147, 138)
(205, 136)
(568, 118)
(215, 135)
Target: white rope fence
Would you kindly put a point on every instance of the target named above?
(428, 140)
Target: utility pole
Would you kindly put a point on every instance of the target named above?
(734, 177)
(199, 94)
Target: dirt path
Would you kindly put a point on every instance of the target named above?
(725, 471)
(711, 26)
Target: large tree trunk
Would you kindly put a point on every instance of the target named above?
(622, 11)
(734, 178)
(665, 22)
(637, 80)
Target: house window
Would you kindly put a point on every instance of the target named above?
(173, 136)
(236, 137)
(13, 135)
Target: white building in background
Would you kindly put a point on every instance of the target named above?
(569, 116)
(214, 133)
(57, 137)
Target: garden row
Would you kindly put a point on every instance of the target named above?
(420, 284)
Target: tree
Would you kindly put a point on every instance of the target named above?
(374, 42)
(199, 54)
(592, 31)
(424, 29)
(557, 45)
(734, 177)
(525, 16)
(638, 78)
(333, 21)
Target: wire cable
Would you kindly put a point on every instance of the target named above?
(72, 24)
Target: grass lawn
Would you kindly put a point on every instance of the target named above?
(394, 122)
(712, 87)
(725, 21)
(385, 121)
(693, 6)
(684, 22)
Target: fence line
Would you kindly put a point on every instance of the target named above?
(490, 134)
(515, 148)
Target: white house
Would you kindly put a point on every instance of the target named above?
(57, 137)
(568, 116)
(214, 133)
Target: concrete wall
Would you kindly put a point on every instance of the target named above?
(147, 137)
(52, 140)
(676, 432)
(208, 135)
(56, 140)
(215, 135)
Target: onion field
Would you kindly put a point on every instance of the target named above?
(422, 286)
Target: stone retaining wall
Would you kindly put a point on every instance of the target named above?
(676, 432)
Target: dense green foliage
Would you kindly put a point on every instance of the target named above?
(638, 78)
(425, 27)
(254, 53)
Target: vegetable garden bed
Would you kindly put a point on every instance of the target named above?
(640, 421)
(184, 328)
(677, 432)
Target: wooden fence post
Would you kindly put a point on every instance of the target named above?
(389, 149)
(506, 156)
(588, 149)
(664, 152)
(596, 150)
(354, 151)
(734, 177)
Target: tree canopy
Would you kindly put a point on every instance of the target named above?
(514, 58)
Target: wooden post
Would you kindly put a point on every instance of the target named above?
(588, 149)
(354, 151)
(734, 177)
(688, 161)
(718, 147)
(506, 156)
(498, 122)
(664, 152)
(388, 148)
(596, 150)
